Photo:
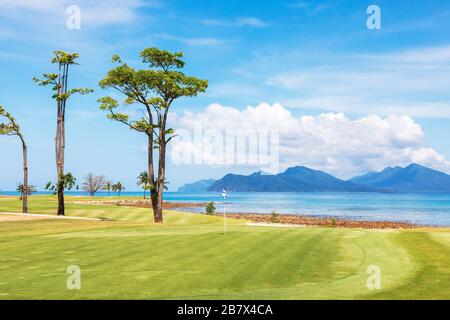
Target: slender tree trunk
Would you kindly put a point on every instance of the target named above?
(60, 163)
(25, 178)
(157, 202)
(154, 201)
(60, 166)
(61, 208)
(161, 179)
(157, 214)
(60, 138)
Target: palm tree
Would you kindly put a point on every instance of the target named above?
(107, 187)
(143, 180)
(21, 189)
(117, 188)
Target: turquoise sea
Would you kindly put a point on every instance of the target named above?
(427, 209)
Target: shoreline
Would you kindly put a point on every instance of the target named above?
(304, 220)
(288, 219)
(266, 218)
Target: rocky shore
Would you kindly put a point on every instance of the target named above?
(321, 221)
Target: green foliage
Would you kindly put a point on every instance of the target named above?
(163, 59)
(68, 182)
(107, 186)
(58, 81)
(30, 190)
(109, 104)
(118, 188)
(49, 78)
(116, 58)
(143, 179)
(63, 58)
(155, 88)
(274, 217)
(10, 127)
(210, 208)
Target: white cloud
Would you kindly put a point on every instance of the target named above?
(93, 13)
(236, 23)
(413, 82)
(33, 5)
(331, 142)
(207, 41)
(310, 8)
(434, 55)
(251, 22)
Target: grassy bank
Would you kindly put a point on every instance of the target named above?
(190, 257)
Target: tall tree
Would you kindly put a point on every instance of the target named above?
(12, 128)
(155, 88)
(142, 180)
(61, 93)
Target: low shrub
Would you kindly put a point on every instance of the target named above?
(210, 208)
(275, 217)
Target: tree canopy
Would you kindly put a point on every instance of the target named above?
(10, 127)
(155, 88)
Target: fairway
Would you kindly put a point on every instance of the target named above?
(189, 257)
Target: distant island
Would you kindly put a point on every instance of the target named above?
(197, 186)
(413, 178)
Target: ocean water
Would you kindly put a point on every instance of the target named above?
(426, 209)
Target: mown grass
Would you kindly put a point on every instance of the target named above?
(189, 256)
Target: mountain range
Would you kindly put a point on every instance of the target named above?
(413, 178)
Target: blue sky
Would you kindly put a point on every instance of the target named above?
(308, 57)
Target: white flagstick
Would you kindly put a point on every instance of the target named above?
(224, 196)
(225, 215)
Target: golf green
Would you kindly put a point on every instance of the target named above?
(190, 257)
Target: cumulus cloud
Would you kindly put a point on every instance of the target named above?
(331, 142)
